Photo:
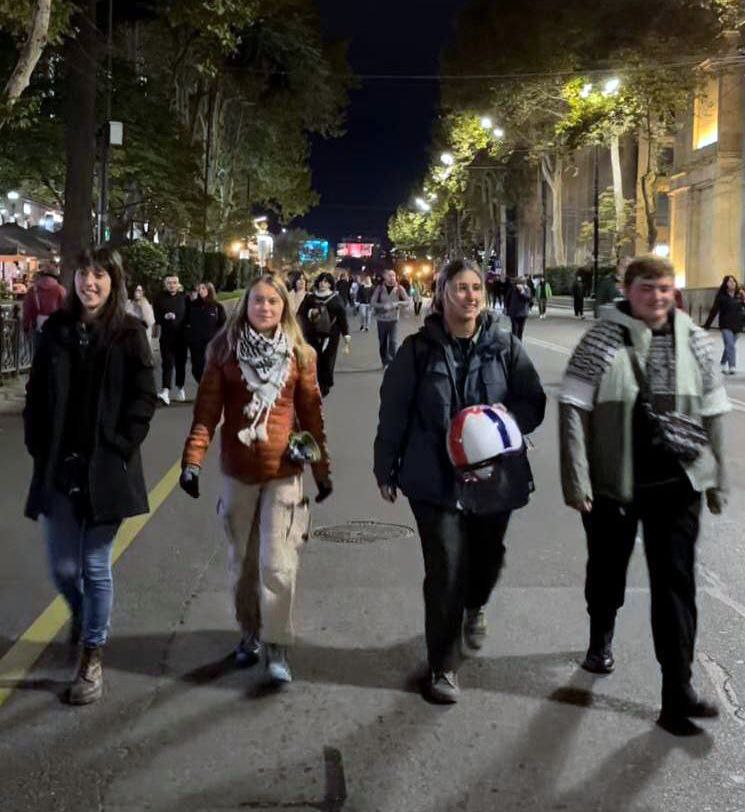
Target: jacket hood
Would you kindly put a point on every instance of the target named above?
(44, 281)
(489, 333)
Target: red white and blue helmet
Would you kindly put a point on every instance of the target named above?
(479, 435)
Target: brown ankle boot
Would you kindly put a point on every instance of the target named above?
(87, 686)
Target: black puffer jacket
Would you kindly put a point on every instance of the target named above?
(419, 396)
(205, 319)
(125, 407)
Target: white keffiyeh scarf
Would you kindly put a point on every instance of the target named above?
(265, 366)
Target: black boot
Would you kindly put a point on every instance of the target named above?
(599, 657)
(680, 704)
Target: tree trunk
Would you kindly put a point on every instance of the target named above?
(81, 61)
(553, 173)
(618, 199)
(649, 180)
(31, 51)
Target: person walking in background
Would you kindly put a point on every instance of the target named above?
(459, 358)
(364, 295)
(323, 318)
(416, 296)
(578, 297)
(261, 378)
(728, 305)
(298, 291)
(206, 318)
(139, 307)
(641, 440)
(544, 295)
(386, 302)
(343, 287)
(45, 297)
(171, 318)
(89, 401)
(519, 307)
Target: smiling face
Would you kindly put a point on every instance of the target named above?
(172, 284)
(93, 287)
(265, 307)
(202, 291)
(464, 297)
(652, 300)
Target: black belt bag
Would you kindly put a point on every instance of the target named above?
(507, 487)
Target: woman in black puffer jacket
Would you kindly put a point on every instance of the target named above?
(206, 317)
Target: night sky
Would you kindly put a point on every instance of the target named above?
(365, 175)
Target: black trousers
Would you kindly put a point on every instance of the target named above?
(518, 327)
(326, 350)
(198, 353)
(579, 306)
(173, 353)
(670, 518)
(463, 556)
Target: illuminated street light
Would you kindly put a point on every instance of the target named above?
(447, 158)
(586, 90)
(487, 123)
(611, 86)
(422, 204)
(662, 250)
(13, 195)
(236, 247)
(498, 132)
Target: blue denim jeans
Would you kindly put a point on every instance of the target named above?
(80, 564)
(729, 356)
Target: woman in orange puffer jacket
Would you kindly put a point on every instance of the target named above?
(261, 378)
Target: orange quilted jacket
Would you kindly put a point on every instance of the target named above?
(223, 390)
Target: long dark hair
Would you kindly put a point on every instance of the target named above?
(723, 287)
(114, 311)
(211, 296)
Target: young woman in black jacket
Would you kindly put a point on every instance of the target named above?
(730, 308)
(89, 401)
(459, 358)
(206, 317)
(323, 318)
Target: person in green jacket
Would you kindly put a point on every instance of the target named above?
(618, 469)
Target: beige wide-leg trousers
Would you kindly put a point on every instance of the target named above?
(265, 526)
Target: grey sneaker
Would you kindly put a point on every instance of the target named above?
(443, 687)
(474, 628)
(276, 664)
(248, 651)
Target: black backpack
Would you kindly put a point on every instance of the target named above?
(320, 319)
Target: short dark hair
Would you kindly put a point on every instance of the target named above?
(648, 266)
(324, 277)
(115, 309)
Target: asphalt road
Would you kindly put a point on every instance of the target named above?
(180, 729)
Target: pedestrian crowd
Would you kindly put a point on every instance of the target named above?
(640, 426)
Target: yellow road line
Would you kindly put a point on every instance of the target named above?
(20, 658)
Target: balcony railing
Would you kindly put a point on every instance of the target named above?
(16, 347)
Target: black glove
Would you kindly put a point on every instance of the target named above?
(325, 489)
(189, 481)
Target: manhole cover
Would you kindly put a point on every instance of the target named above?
(360, 532)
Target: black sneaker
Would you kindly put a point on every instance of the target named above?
(248, 651)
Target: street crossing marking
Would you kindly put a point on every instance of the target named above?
(20, 658)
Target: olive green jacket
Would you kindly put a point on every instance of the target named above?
(597, 400)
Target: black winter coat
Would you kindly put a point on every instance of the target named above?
(171, 313)
(126, 405)
(731, 311)
(205, 319)
(419, 397)
(336, 310)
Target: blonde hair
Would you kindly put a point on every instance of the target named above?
(447, 274)
(224, 344)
